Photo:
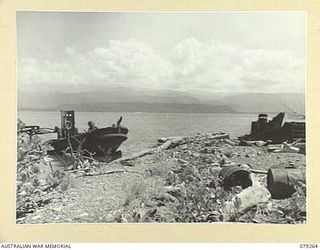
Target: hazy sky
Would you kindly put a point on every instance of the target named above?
(189, 51)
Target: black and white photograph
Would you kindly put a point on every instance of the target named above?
(161, 117)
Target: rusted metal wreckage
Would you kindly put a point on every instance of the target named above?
(98, 141)
(275, 130)
(280, 181)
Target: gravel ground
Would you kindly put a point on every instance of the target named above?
(138, 192)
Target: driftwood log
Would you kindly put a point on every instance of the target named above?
(171, 143)
(168, 143)
(113, 171)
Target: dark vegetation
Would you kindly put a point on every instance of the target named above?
(33, 181)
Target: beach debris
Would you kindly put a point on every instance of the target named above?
(235, 176)
(289, 148)
(258, 171)
(190, 188)
(172, 143)
(165, 139)
(297, 146)
(230, 142)
(168, 143)
(245, 200)
(281, 181)
(144, 215)
(254, 143)
(264, 130)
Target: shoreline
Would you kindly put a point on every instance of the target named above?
(142, 112)
(177, 184)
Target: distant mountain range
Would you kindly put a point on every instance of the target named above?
(264, 102)
(164, 101)
(150, 107)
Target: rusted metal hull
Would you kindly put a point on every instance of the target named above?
(290, 132)
(275, 131)
(103, 141)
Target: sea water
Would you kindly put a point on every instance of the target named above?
(146, 128)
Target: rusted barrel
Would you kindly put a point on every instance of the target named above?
(281, 181)
(235, 176)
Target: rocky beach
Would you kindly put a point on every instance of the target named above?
(179, 180)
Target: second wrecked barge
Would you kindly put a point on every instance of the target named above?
(280, 181)
(275, 130)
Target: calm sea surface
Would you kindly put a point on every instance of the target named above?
(146, 128)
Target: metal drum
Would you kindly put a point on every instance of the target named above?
(281, 181)
(235, 176)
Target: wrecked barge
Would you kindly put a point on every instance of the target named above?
(96, 141)
(275, 130)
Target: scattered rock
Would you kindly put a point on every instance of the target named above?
(187, 189)
(57, 209)
(23, 193)
(83, 215)
(38, 217)
(128, 163)
(228, 141)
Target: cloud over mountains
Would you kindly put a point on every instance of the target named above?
(190, 65)
(184, 51)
